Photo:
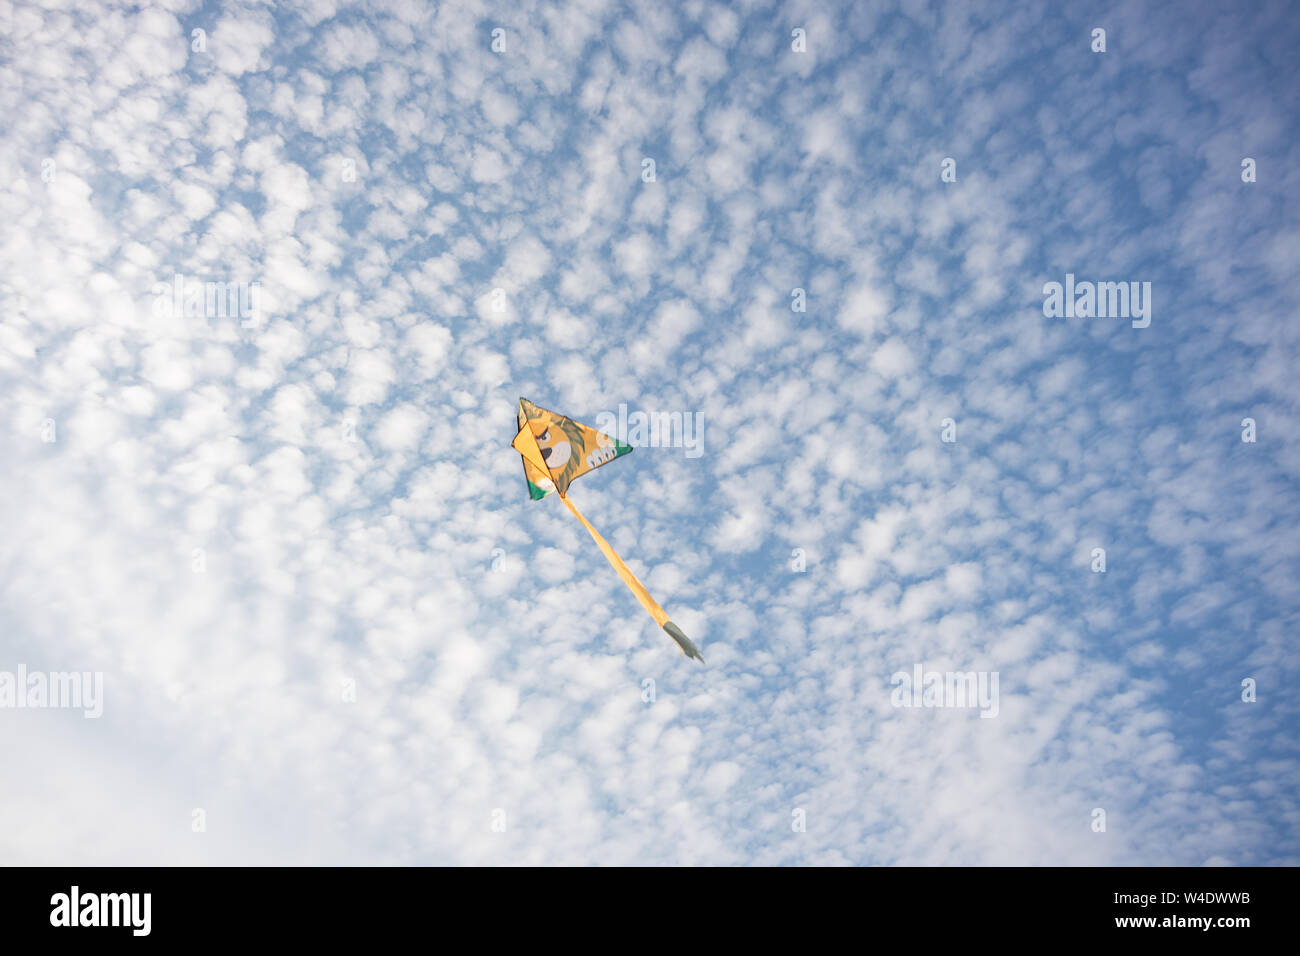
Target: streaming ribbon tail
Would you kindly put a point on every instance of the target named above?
(636, 587)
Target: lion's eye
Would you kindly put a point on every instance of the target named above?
(546, 435)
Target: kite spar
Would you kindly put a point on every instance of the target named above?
(557, 450)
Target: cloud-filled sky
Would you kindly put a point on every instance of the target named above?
(295, 542)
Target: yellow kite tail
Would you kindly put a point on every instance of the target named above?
(642, 595)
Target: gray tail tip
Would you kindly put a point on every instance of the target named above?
(684, 642)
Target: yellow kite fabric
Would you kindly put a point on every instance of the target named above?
(556, 450)
(567, 449)
(642, 595)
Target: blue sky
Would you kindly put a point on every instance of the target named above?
(297, 545)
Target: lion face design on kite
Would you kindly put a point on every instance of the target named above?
(563, 445)
(557, 451)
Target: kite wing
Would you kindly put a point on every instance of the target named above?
(557, 450)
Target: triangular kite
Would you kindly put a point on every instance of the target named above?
(557, 450)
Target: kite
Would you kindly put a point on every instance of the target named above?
(557, 450)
